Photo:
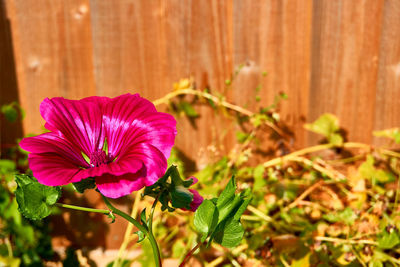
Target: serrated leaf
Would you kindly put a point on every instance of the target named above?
(23, 179)
(228, 194)
(231, 234)
(206, 218)
(389, 240)
(81, 186)
(246, 197)
(34, 199)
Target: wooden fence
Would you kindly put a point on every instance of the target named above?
(328, 56)
(338, 56)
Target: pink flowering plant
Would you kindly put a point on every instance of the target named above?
(117, 146)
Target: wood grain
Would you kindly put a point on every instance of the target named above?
(345, 56)
(387, 97)
(53, 52)
(8, 85)
(275, 36)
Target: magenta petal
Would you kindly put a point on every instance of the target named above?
(79, 121)
(197, 200)
(117, 186)
(124, 166)
(130, 119)
(53, 170)
(53, 143)
(154, 161)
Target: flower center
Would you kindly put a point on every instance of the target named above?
(98, 158)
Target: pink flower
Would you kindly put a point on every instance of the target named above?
(197, 198)
(122, 142)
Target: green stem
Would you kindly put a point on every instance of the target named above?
(156, 251)
(67, 206)
(153, 207)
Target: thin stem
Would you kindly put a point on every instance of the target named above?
(259, 213)
(73, 207)
(216, 100)
(189, 254)
(346, 241)
(127, 237)
(153, 207)
(303, 195)
(396, 198)
(312, 149)
(9, 247)
(156, 250)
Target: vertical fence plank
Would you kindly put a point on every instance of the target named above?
(387, 108)
(345, 53)
(275, 36)
(8, 84)
(144, 46)
(52, 42)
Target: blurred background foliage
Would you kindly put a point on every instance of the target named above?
(332, 204)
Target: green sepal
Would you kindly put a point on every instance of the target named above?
(81, 186)
(171, 190)
(35, 200)
(181, 197)
(141, 236)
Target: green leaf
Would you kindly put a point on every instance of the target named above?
(7, 166)
(228, 194)
(241, 136)
(259, 181)
(10, 112)
(231, 234)
(328, 126)
(393, 134)
(335, 139)
(220, 218)
(325, 125)
(388, 240)
(246, 197)
(122, 263)
(206, 218)
(188, 109)
(368, 171)
(141, 236)
(81, 186)
(347, 216)
(34, 199)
